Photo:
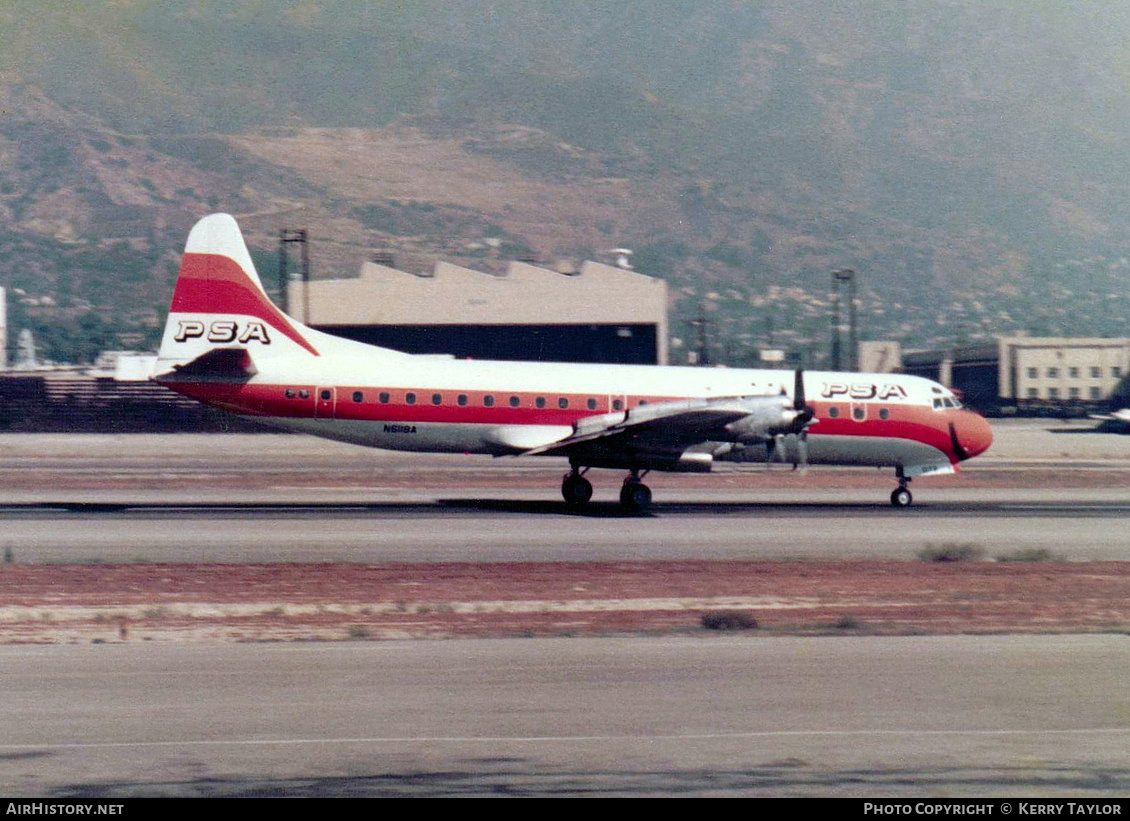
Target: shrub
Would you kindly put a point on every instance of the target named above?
(1031, 554)
(951, 552)
(728, 620)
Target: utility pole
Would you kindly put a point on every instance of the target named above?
(835, 323)
(844, 275)
(287, 236)
(702, 323)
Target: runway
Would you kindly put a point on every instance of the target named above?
(957, 716)
(268, 498)
(746, 715)
(1077, 524)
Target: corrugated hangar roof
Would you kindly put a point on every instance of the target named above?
(453, 295)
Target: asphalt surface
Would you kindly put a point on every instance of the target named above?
(959, 715)
(1079, 524)
(956, 716)
(292, 498)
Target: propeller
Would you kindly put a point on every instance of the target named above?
(805, 412)
(958, 451)
(804, 416)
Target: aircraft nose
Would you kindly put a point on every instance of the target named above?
(973, 433)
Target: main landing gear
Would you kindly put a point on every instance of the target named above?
(576, 488)
(635, 496)
(900, 496)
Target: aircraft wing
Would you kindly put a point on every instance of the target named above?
(1121, 415)
(678, 424)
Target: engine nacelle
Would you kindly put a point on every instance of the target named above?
(783, 448)
(768, 417)
(689, 461)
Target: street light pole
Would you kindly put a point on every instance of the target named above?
(287, 236)
(844, 275)
(835, 323)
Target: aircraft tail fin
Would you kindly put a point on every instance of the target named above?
(219, 302)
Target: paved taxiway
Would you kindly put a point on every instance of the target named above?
(291, 498)
(1078, 524)
(957, 716)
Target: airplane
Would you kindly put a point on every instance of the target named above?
(1116, 421)
(226, 344)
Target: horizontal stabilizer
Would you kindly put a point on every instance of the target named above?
(216, 365)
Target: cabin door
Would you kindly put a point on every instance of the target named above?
(326, 403)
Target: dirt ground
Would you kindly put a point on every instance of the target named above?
(341, 601)
(53, 603)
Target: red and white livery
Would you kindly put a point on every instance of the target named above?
(226, 344)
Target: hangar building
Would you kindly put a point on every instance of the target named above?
(1030, 374)
(599, 313)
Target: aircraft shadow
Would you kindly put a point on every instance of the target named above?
(612, 510)
(1107, 427)
(531, 507)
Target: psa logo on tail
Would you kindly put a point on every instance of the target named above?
(222, 330)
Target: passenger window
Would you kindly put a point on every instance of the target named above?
(488, 400)
(515, 401)
(562, 402)
(410, 398)
(437, 398)
(643, 402)
(461, 399)
(591, 404)
(540, 401)
(357, 397)
(833, 412)
(617, 404)
(290, 393)
(304, 394)
(384, 397)
(884, 413)
(326, 395)
(858, 414)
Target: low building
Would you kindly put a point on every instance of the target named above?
(598, 313)
(1021, 374)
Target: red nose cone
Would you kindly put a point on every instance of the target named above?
(973, 433)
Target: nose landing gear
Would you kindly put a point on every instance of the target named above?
(900, 496)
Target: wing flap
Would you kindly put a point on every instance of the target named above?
(678, 423)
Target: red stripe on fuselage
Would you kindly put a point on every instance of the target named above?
(215, 284)
(915, 423)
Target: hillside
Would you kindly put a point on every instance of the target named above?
(968, 159)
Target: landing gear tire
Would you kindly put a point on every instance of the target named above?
(576, 489)
(635, 496)
(900, 497)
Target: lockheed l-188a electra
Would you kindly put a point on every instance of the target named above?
(226, 344)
